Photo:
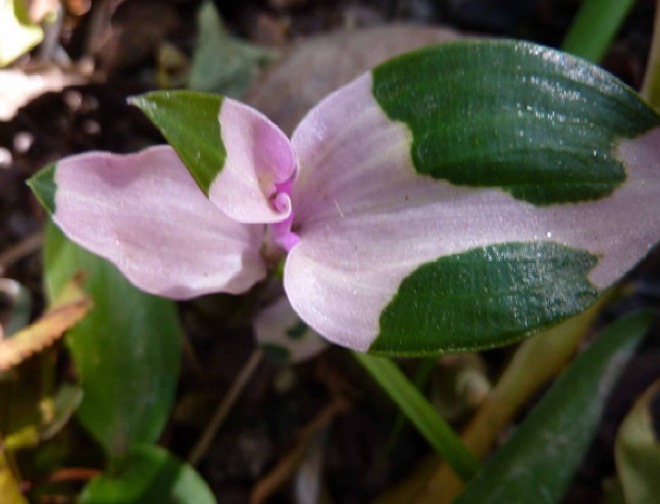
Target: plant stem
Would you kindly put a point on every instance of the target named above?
(651, 86)
(594, 27)
(419, 381)
(536, 362)
(224, 407)
(418, 410)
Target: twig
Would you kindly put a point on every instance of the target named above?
(68, 474)
(22, 249)
(246, 372)
(286, 467)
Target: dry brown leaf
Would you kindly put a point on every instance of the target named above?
(72, 305)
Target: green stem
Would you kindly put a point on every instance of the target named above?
(594, 27)
(418, 410)
(651, 86)
(419, 381)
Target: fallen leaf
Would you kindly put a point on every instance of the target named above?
(70, 308)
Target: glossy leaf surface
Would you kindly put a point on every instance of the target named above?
(495, 188)
(189, 122)
(144, 213)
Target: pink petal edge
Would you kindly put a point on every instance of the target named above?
(145, 213)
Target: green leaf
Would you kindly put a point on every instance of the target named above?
(126, 351)
(222, 64)
(420, 412)
(66, 402)
(486, 297)
(538, 461)
(637, 449)
(539, 124)
(594, 27)
(20, 301)
(44, 187)
(17, 34)
(148, 474)
(190, 122)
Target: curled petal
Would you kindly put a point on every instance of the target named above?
(253, 185)
(145, 213)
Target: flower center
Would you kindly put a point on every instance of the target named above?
(280, 233)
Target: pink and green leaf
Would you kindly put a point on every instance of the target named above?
(189, 122)
(466, 195)
(455, 198)
(539, 124)
(145, 214)
(238, 157)
(283, 336)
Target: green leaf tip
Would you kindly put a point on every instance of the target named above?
(190, 123)
(486, 297)
(537, 123)
(44, 188)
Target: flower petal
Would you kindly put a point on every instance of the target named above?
(144, 213)
(399, 260)
(252, 185)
